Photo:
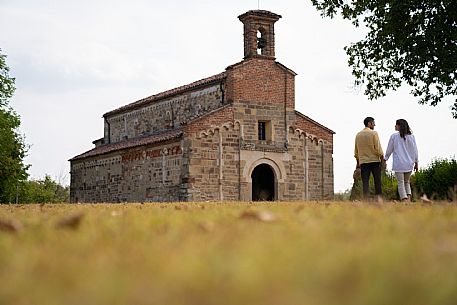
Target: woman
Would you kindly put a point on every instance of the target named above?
(402, 146)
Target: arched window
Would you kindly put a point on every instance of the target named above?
(168, 120)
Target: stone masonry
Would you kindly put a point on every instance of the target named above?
(232, 136)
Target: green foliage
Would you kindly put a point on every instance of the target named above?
(356, 190)
(389, 187)
(412, 42)
(6, 82)
(343, 196)
(13, 148)
(438, 181)
(43, 191)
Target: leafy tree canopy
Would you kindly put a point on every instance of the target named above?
(6, 82)
(43, 191)
(408, 41)
(12, 146)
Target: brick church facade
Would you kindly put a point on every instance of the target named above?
(232, 136)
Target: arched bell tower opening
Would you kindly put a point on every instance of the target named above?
(261, 41)
(259, 33)
(263, 183)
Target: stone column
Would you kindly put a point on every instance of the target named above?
(306, 166)
(220, 161)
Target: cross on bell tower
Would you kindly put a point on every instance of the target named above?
(259, 34)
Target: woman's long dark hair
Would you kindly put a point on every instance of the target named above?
(404, 128)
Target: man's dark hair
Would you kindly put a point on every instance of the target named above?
(368, 120)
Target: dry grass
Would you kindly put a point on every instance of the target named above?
(229, 253)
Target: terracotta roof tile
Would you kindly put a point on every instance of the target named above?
(260, 13)
(168, 93)
(150, 139)
(246, 61)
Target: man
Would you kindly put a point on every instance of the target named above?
(370, 157)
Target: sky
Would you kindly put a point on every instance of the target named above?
(76, 60)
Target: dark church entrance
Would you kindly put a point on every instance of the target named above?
(263, 183)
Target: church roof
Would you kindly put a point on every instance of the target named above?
(168, 93)
(246, 61)
(144, 140)
(259, 13)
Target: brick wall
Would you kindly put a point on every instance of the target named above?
(262, 89)
(260, 79)
(311, 127)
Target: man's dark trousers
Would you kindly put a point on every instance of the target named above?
(375, 169)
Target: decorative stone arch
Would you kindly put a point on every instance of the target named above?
(277, 168)
(223, 127)
(303, 134)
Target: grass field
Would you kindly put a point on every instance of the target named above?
(229, 253)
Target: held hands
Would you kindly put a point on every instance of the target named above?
(383, 164)
(357, 172)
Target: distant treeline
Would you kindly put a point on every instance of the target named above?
(40, 191)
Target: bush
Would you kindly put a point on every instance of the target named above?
(343, 196)
(43, 191)
(438, 181)
(390, 186)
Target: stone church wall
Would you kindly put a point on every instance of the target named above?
(148, 173)
(163, 114)
(213, 143)
(214, 164)
(320, 158)
(314, 164)
(295, 182)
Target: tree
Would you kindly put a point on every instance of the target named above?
(6, 82)
(408, 41)
(43, 191)
(12, 145)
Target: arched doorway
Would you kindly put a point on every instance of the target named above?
(263, 183)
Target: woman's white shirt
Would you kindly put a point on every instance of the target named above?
(404, 152)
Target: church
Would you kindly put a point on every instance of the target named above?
(233, 136)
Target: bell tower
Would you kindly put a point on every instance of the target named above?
(259, 34)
